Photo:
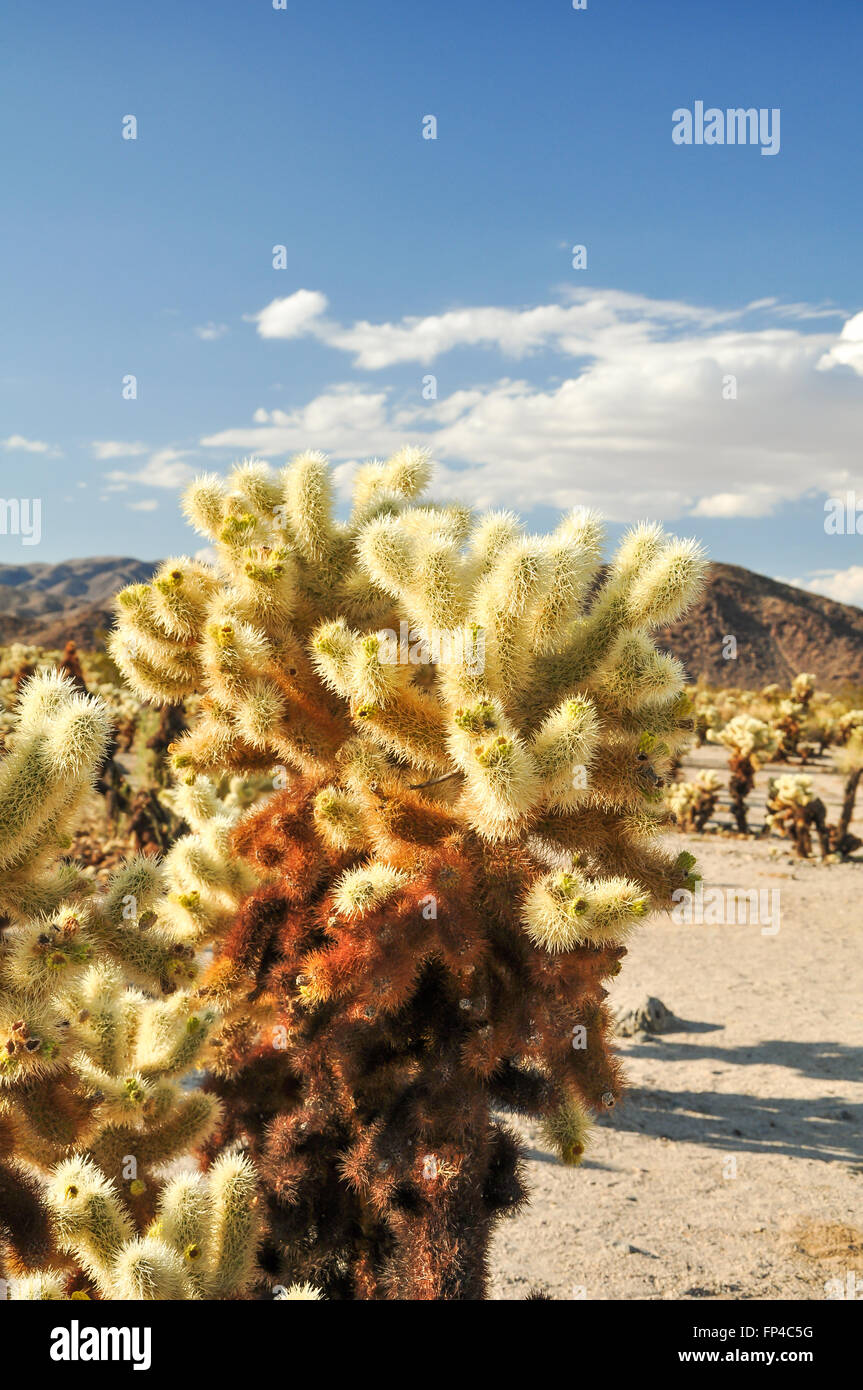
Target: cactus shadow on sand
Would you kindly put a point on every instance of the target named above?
(827, 1129)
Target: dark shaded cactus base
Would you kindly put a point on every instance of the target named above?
(384, 1169)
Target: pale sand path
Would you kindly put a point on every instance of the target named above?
(765, 1069)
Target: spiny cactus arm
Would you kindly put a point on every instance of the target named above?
(159, 664)
(180, 1121)
(49, 1117)
(216, 745)
(59, 740)
(46, 1286)
(27, 897)
(127, 1040)
(201, 1243)
(206, 882)
(184, 1221)
(44, 957)
(508, 606)
(152, 956)
(650, 583)
(33, 1044)
(383, 488)
(121, 1099)
(564, 910)
(567, 1131)
(171, 1035)
(563, 748)
(573, 552)
(234, 1226)
(180, 592)
(89, 1218)
(308, 516)
(147, 1269)
(418, 565)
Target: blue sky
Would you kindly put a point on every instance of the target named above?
(450, 257)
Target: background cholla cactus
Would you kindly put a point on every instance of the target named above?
(787, 725)
(475, 752)
(803, 689)
(705, 714)
(850, 762)
(848, 724)
(794, 809)
(749, 741)
(693, 803)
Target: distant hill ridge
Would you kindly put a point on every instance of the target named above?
(779, 630)
(49, 604)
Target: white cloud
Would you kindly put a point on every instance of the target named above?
(291, 317)
(342, 420)
(589, 320)
(148, 504)
(848, 350)
(105, 449)
(18, 444)
(634, 420)
(209, 332)
(165, 468)
(756, 502)
(845, 586)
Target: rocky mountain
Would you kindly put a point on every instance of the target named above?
(49, 604)
(777, 630)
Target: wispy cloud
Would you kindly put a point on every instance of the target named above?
(344, 420)
(166, 468)
(209, 332)
(106, 449)
(19, 444)
(843, 585)
(585, 323)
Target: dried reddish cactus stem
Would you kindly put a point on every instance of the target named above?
(405, 1029)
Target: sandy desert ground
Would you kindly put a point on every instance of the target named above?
(735, 1168)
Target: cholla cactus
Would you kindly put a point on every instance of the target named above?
(791, 719)
(706, 716)
(475, 750)
(199, 1245)
(850, 763)
(204, 881)
(848, 725)
(693, 803)
(58, 738)
(749, 741)
(803, 688)
(794, 810)
(92, 1060)
(787, 728)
